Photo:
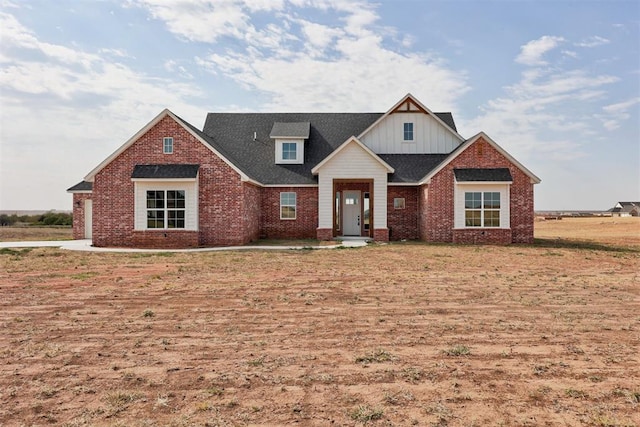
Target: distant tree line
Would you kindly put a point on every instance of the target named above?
(48, 218)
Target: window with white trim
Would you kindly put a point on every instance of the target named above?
(482, 209)
(165, 209)
(167, 145)
(288, 205)
(289, 151)
(408, 131)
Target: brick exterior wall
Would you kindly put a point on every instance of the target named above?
(225, 217)
(306, 222)
(438, 220)
(402, 223)
(78, 214)
(232, 212)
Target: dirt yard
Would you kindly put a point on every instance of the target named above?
(400, 334)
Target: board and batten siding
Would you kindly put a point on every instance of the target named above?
(505, 202)
(352, 162)
(429, 136)
(190, 194)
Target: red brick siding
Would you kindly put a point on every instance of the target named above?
(423, 205)
(477, 236)
(252, 208)
(165, 239)
(78, 214)
(402, 223)
(306, 222)
(221, 199)
(439, 221)
(381, 234)
(324, 234)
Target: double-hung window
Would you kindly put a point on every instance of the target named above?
(167, 145)
(408, 131)
(166, 209)
(288, 205)
(482, 209)
(289, 151)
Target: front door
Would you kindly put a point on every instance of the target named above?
(351, 211)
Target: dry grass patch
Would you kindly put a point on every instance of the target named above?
(367, 336)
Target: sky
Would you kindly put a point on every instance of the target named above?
(555, 83)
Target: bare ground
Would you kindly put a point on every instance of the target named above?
(401, 334)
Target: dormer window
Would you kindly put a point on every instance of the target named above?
(289, 151)
(408, 131)
(167, 145)
(289, 141)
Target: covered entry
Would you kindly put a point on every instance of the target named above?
(352, 193)
(353, 213)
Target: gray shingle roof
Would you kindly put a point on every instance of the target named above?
(81, 186)
(489, 175)
(232, 135)
(165, 171)
(290, 130)
(411, 167)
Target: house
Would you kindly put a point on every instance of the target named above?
(403, 174)
(626, 209)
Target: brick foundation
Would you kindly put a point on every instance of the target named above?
(324, 234)
(482, 236)
(165, 239)
(381, 234)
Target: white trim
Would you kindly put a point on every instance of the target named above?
(80, 192)
(164, 146)
(467, 144)
(403, 100)
(355, 140)
(295, 206)
(145, 129)
(403, 184)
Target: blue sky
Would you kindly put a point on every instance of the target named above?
(557, 84)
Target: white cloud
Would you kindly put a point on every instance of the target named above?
(593, 41)
(615, 114)
(546, 114)
(532, 52)
(52, 94)
(345, 66)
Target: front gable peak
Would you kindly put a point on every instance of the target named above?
(352, 142)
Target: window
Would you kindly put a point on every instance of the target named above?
(287, 205)
(165, 209)
(408, 131)
(289, 151)
(167, 145)
(481, 209)
(337, 216)
(398, 203)
(367, 211)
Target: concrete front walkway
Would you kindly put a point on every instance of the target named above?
(85, 245)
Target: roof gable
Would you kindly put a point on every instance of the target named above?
(351, 141)
(410, 104)
(534, 179)
(186, 126)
